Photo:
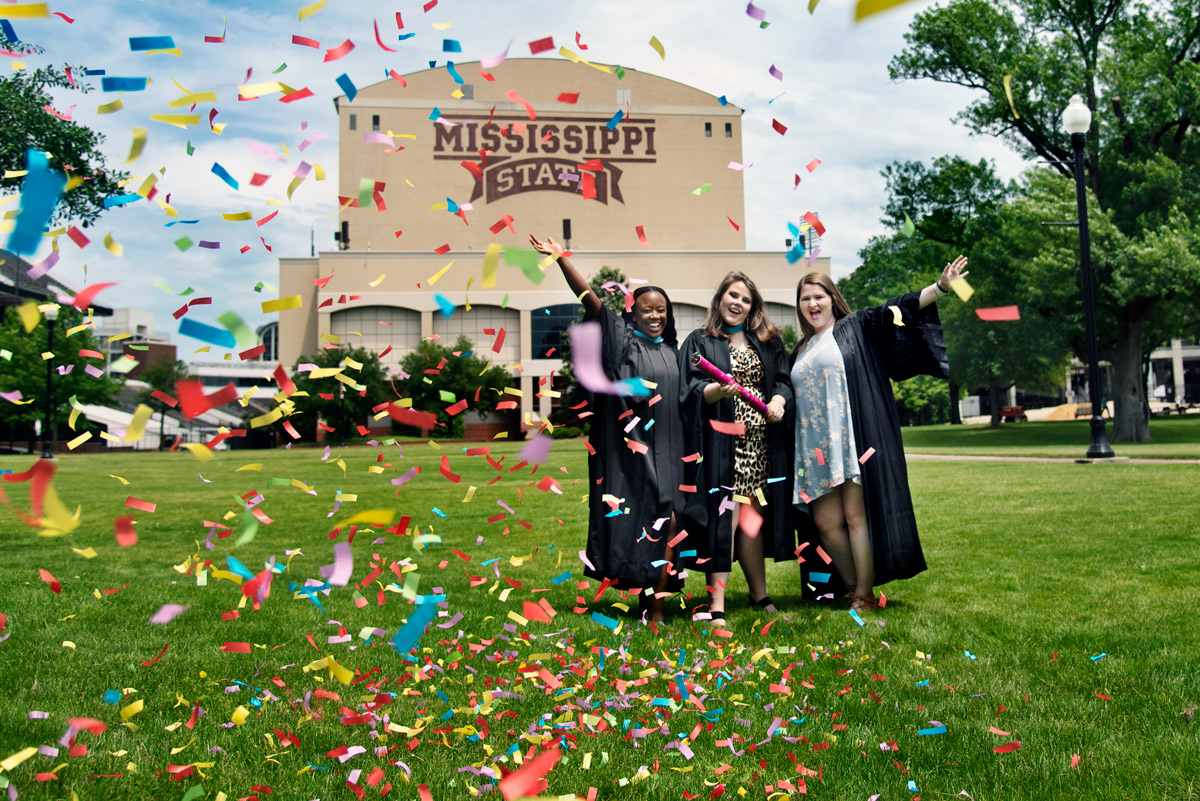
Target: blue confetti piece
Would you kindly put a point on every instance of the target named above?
(451, 46)
(438, 512)
(224, 175)
(796, 253)
(451, 206)
(39, 195)
(94, 72)
(140, 43)
(648, 425)
(237, 567)
(1100, 656)
(922, 683)
(454, 73)
(432, 65)
(7, 29)
(818, 578)
(933, 730)
(971, 655)
(449, 713)
(687, 554)
(722, 100)
(207, 333)
(445, 303)
(429, 599)
(683, 692)
(561, 577)
(857, 619)
(112, 697)
(120, 200)
(488, 562)
(437, 112)
(604, 620)
(414, 629)
(348, 86)
(616, 118)
(912, 786)
(114, 84)
(632, 386)
(793, 229)
(404, 36)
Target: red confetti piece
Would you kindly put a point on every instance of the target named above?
(541, 45)
(236, 647)
(779, 127)
(155, 659)
(193, 402)
(304, 40)
(88, 724)
(736, 227)
(581, 46)
(505, 220)
(999, 314)
(64, 16)
(499, 343)
(429, 6)
(299, 94)
(641, 235)
(528, 780)
(123, 531)
(378, 40)
(587, 186)
(78, 237)
(812, 165)
(820, 457)
(721, 427)
(570, 98)
(512, 95)
(257, 350)
(461, 406)
(84, 298)
(1105, 697)
(284, 380)
(265, 220)
(796, 184)
(412, 417)
(1074, 761)
(815, 223)
(140, 505)
(446, 473)
(443, 250)
(55, 587)
(821, 553)
(1008, 748)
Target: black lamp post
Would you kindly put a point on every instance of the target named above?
(48, 420)
(1077, 120)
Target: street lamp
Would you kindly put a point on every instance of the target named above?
(51, 315)
(1077, 120)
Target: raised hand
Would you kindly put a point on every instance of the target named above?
(953, 271)
(547, 247)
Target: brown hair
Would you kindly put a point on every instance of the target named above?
(840, 308)
(757, 320)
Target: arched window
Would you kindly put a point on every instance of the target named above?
(379, 327)
(548, 328)
(473, 323)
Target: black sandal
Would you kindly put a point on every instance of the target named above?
(761, 603)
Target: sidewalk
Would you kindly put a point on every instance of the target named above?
(935, 457)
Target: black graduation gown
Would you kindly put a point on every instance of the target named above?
(716, 471)
(875, 349)
(648, 483)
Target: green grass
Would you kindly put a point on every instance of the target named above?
(1174, 438)
(1026, 560)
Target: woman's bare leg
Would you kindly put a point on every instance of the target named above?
(830, 518)
(854, 509)
(750, 557)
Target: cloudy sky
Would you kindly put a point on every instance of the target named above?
(835, 97)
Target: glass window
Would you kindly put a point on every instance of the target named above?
(708, 130)
(376, 327)
(548, 328)
(472, 324)
(468, 90)
(354, 122)
(374, 122)
(624, 97)
(729, 130)
(781, 314)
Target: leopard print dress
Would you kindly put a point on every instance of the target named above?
(750, 455)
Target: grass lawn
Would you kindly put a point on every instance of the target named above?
(1036, 570)
(1174, 438)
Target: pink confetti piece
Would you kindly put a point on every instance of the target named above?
(377, 138)
(641, 235)
(775, 73)
(867, 455)
(167, 613)
(311, 139)
(338, 574)
(812, 165)
(495, 61)
(512, 95)
(754, 12)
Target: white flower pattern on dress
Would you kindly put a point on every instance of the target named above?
(822, 420)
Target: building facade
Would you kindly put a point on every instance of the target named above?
(443, 170)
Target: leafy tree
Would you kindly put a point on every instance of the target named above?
(440, 376)
(789, 337)
(335, 403)
(25, 371)
(25, 124)
(1137, 66)
(161, 374)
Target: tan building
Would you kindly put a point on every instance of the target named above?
(438, 162)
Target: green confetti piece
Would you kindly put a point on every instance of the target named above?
(448, 397)
(190, 149)
(138, 347)
(764, 25)
(620, 73)
(702, 190)
(193, 793)
(163, 286)
(259, 286)
(122, 365)
(527, 261)
(366, 190)
(237, 326)
(249, 529)
(183, 243)
(504, 303)
(909, 229)
(279, 69)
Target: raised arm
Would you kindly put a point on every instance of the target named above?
(954, 270)
(591, 303)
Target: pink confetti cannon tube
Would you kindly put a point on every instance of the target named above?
(721, 377)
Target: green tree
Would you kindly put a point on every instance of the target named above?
(440, 376)
(1137, 65)
(25, 370)
(162, 375)
(336, 404)
(25, 124)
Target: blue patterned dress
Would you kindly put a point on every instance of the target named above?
(823, 409)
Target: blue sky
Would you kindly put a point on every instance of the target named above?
(835, 97)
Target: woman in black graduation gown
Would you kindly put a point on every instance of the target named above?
(637, 468)
(741, 340)
(849, 466)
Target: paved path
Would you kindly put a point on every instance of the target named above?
(937, 457)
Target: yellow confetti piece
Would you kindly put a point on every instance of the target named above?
(372, 517)
(132, 709)
(377, 281)
(1008, 93)
(812, 6)
(123, 481)
(351, 363)
(139, 143)
(147, 185)
(68, 644)
(251, 90)
(194, 99)
(962, 289)
(256, 467)
(266, 419)
(27, 11)
(241, 713)
(867, 8)
(114, 247)
(282, 304)
(29, 315)
(658, 48)
(16, 759)
(896, 318)
(82, 438)
(470, 495)
(239, 216)
(86, 553)
(434, 278)
(308, 11)
(199, 451)
(441, 26)
(178, 120)
(319, 172)
(491, 264)
(168, 51)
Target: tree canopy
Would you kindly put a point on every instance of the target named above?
(1137, 66)
(440, 376)
(25, 123)
(337, 404)
(162, 375)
